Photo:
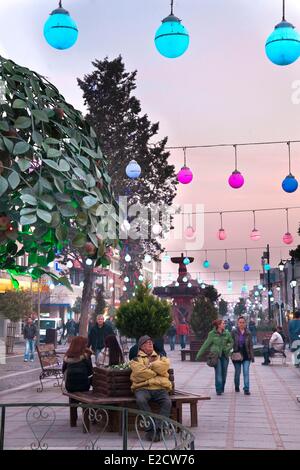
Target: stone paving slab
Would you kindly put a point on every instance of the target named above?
(267, 419)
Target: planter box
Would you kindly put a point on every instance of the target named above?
(114, 382)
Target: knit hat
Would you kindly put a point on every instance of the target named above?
(143, 340)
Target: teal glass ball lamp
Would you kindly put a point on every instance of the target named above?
(60, 30)
(171, 38)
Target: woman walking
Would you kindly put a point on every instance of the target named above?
(218, 342)
(242, 354)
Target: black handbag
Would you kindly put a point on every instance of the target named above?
(212, 359)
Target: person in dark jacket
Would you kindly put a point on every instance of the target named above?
(242, 343)
(171, 333)
(98, 334)
(114, 351)
(29, 333)
(77, 366)
(71, 329)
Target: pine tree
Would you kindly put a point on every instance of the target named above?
(223, 307)
(240, 307)
(143, 315)
(126, 135)
(204, 313)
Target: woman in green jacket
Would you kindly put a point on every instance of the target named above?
(220, 342)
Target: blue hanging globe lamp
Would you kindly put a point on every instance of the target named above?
(206, 264)
(289, 184)
(186, 261)
(133, 170)
(171, 39)
(226, 265)
(246, 267)
(60, 29)
(283, 44)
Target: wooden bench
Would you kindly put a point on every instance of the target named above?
(192, 352)
(50, 364)
(178, 398)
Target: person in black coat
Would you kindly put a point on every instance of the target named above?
(77, 366)
(98, 334)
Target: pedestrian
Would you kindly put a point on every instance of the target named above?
(253, 330)
(112, 354)
(280, 331)
(71, 329)
(98, 334)
(242, 354)
(294, 335)
(150, 381)
(276, 344)
(29, 334)
(219, 342)
(183, 331)
(171, 333)
(77, 366)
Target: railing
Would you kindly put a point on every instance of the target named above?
(50, 429)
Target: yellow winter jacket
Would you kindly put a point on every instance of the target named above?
(150, 375)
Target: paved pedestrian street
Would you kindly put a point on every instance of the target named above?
(267, 419)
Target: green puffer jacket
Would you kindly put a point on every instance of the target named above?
(217, 343)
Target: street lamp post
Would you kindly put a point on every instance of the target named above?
(266, 256)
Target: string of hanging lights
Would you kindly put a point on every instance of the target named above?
(255, 234)
(172, 39)
(236, 179)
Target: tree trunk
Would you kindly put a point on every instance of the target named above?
(87, 294)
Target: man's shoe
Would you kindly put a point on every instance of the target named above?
(219, 393)
(31, 360)
(25, 360)
(246, 392)
(265, 363)
(237, 389)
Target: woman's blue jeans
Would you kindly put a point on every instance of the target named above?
(221, 374)
(238, 366)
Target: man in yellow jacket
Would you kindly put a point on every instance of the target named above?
(150, 381)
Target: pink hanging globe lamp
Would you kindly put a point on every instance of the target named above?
(189, 232)
(236, 179)
(185, 175)
(255, 235)
(287, 238)
(221, 234)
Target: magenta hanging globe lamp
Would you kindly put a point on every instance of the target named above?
(221, 235)
(287, 238)
(185, 175)
(236, 179)
(255, 235)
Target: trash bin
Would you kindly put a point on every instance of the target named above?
(10, 338)
(51, 336)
